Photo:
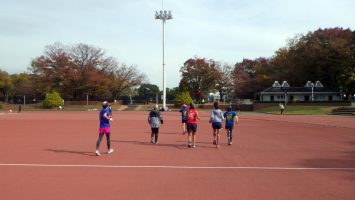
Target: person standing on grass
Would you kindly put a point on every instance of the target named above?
(216, 119)
(191, 125)
(19, 108)
(183, 111)
(105, 128)
(282, 108)
(230, 116)
(155, 120)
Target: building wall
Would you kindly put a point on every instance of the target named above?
(298, 97)
(260, 105)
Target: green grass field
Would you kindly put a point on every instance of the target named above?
(289, 110)
(298, 110)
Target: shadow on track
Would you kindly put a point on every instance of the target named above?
(347, 160)
(166, 133)
(177, 146)
(71, 152)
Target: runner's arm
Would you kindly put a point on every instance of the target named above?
(107, 117)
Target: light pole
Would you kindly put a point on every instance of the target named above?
(312, 92)
(341, 93)
(164, 16)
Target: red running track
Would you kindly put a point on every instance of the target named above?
(49, 155)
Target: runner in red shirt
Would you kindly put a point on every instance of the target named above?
(191, 125)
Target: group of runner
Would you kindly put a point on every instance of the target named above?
(189, 117)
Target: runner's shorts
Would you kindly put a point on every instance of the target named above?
(104, 130)
(191, 128)
(216, 125)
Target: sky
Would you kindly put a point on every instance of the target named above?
(223, 30)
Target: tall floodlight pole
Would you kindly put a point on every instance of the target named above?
(164, 16)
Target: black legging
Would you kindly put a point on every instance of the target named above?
(230, 133)
(101, 135)
(154, 134)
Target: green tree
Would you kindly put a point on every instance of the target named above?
(52, 100)
(148, 92)
(171, 93)
(182, 98)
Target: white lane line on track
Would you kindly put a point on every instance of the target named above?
(179, 167)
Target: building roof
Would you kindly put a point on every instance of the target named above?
(274, 90)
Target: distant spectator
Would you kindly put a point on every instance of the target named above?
(282, 108)
(19, 108)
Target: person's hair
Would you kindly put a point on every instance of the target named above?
(229, 108)
(104, 104)
(215, 105)
(156, 107)
(192, 105)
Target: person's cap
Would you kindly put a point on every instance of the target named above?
(156, 106)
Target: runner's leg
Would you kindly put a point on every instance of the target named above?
(156, 135)
(99, 141)
(108, 141)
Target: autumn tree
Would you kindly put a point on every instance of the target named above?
(22, 85)
(54, 71)
(89, 65)
(199, 77)
(326, 55)
(251, 76)
(123, 78)
(79, 70)
(5, 84)
(224, 81)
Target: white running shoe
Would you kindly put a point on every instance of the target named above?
(97, 152)
(110, 151)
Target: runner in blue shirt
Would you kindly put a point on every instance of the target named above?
(230, 116)
(183, 111)
(105, 128)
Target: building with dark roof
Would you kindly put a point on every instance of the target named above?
(309, 92)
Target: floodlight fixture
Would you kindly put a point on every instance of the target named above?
(164, 16)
